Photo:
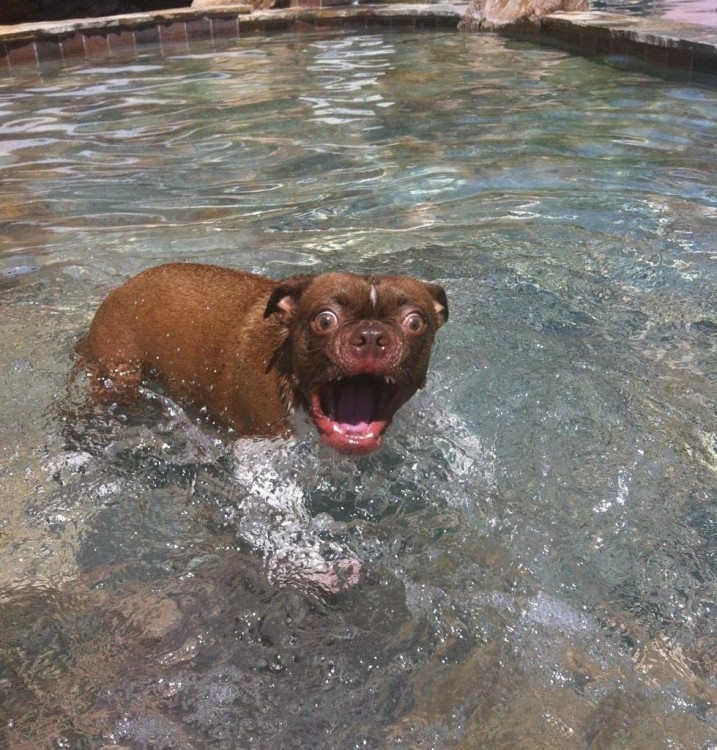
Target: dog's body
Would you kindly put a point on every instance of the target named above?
(351, 349)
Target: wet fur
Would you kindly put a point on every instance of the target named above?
(240, 345)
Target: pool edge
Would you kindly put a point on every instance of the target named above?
(653, 40)
(39, 43)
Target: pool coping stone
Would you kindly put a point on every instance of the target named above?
(654, 40)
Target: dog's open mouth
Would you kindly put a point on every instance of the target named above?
(352, 413)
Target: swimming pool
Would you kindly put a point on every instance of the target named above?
(538, 534)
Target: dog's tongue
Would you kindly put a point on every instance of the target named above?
(355, 405)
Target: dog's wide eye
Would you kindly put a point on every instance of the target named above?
(325, 321)
(414, 322)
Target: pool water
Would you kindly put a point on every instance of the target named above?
(538, 536)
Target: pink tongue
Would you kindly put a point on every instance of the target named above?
(354, 406)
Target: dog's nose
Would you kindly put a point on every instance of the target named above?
(369, 339)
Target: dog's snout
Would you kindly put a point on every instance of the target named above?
(370, 339)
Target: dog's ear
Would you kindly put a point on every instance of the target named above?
(440, 302)
(284, 298)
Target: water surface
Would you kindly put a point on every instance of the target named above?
(538, 536)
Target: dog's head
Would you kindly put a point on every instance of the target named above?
(356, 349)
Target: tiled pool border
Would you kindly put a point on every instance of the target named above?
(652, 40)
(104, 37)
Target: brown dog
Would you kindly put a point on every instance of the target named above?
(350, 349)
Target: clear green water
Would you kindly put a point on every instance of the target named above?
(539, 534)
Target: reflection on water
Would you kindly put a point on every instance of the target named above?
(536, 540)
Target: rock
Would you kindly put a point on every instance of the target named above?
(492, 14)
